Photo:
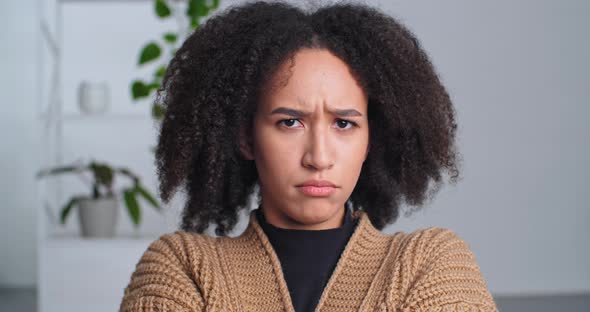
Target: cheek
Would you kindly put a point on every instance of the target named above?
(352, 156)
(276, 158)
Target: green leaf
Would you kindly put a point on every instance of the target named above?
(158, 111)
(103, 174)
(162, 9)
(139, 89)
(150, 52)
(153, 86)
(202, 8)
(191, 8)
(170, 37)
(161, 71)
(132, 206)
(67, 208)
(196, 9)
(145, 194)
(194, 23)
(128, 173)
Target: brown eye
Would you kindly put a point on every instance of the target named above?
(343, 124)
(288, 122)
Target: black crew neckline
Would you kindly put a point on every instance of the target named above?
(308, 257)
(346, 225)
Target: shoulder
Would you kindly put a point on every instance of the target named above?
(440, 270)
(181, 235)
(190, 255)
(433, 232)
(433, 240)
(166, 273)
(435, 247)
(185, 249)
(179, 250)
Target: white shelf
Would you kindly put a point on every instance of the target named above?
(71, 239)
(82, 1)
(107, 116)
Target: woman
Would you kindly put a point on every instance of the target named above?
(333, 118)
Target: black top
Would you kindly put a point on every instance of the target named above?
(308, 257)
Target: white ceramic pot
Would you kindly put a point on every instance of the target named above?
(98, 217)
(93, 97)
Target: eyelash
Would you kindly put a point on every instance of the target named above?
(352, 123)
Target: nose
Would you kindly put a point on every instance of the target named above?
(317, 151)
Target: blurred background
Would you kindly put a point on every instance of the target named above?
(78, 127)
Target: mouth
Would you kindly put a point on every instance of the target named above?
(317, 183)
(317, 188)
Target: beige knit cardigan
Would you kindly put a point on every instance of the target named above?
(427, 270)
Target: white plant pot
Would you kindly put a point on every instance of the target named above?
(98, 217)
(93, 97)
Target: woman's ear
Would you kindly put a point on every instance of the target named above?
(246, 144)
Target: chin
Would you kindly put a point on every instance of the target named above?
(313, 214)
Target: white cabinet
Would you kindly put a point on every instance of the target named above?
(86, 274)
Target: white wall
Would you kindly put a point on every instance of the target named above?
(517, 74)
(19, 137)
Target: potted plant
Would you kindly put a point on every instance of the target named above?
(98, 211)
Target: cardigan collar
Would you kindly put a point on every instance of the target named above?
(353, 280)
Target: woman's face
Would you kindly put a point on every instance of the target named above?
(311, 130)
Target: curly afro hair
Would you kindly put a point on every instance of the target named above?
(213, 83)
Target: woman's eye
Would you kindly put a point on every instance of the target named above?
(340, 123)
(344, 124)
(288, 122)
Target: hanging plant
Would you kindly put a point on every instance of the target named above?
(189, 17)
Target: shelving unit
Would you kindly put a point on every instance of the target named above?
(52, 114)
(76, 273)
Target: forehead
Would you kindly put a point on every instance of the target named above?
(314, 75)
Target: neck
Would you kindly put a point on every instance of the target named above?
(281, 220)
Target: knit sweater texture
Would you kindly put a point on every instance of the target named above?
(429, 269)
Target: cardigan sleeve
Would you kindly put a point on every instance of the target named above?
(447, 276)
(161, 281)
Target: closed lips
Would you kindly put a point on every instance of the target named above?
(317, 183)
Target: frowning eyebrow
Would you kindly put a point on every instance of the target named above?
(298, 113)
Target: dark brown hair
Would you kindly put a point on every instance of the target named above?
(212, 85)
